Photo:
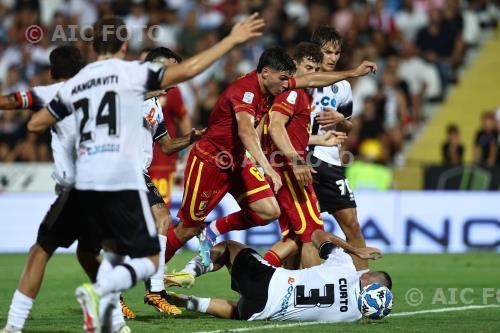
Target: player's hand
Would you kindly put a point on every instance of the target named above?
(303, 173)
(153, 93)
(332, 138)
(247, 29)
(365, 68)
(196, 134)
(369, 253)
(275, 178)
(329, 117)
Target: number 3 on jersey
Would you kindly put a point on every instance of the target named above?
(106, 115)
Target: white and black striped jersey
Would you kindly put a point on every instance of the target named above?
(62, 134)
(107, 98)
(338, 96)
(327, 292)
(154, 129)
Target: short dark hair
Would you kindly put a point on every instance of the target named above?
(324, 35)
(162, 52)
(276, 59)
(65, 62)
(108, 34)
(384, 278)
(452, 129)
(309, 51)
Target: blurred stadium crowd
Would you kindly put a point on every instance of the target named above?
(419, 46)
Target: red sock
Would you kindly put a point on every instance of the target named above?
(173, 243)
(241, 220)
(273, 259)
(234, 221)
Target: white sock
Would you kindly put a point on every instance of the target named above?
(19, 311)
(157, 278)
(121, 278)
(196, 267)
(363, 271)
(198, 304)
(110, 312)
(213, 228)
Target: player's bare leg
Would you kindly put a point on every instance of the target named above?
(282, 251)
(222, 255)
(257, 213)
(156, 295)
(31, 281)
(89, 262)
(309, 255)
(32, 276)
(348, 221)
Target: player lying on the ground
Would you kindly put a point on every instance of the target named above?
(328, 292)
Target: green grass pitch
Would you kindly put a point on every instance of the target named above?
(56, 310)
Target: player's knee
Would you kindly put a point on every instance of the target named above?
(270, 212)
(42, 250)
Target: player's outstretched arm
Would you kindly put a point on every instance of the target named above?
(251, 141)
(241, 33)
(171, 145)
(329, 139)
(323, 79)
(41, 120)
(9, 102)
(280, 137)
(321, 237)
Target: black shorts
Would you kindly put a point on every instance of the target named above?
(124, 216)
(60, 226)
(250, 277)
(154, 196)
(331, 187)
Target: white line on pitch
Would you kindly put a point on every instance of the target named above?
(460, 308)
(400, 314)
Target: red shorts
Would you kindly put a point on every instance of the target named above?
(299, 207)
(206, 184)
(163, 179)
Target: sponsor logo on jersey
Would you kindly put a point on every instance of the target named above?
(327, 101)
(286, 299)
(248, 97)
(292, 97)
(335, 89)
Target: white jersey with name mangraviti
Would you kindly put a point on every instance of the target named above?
(107, 98)
(338, 96)
(327, 292)
(154, 128)
(62, 134)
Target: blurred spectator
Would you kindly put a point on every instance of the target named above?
(136, 23)
(486, 144)
(421, 77)
(366, 173)
(452, 149)
(343, 17)
(441, 44)
(387, 106)
(409, 20)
